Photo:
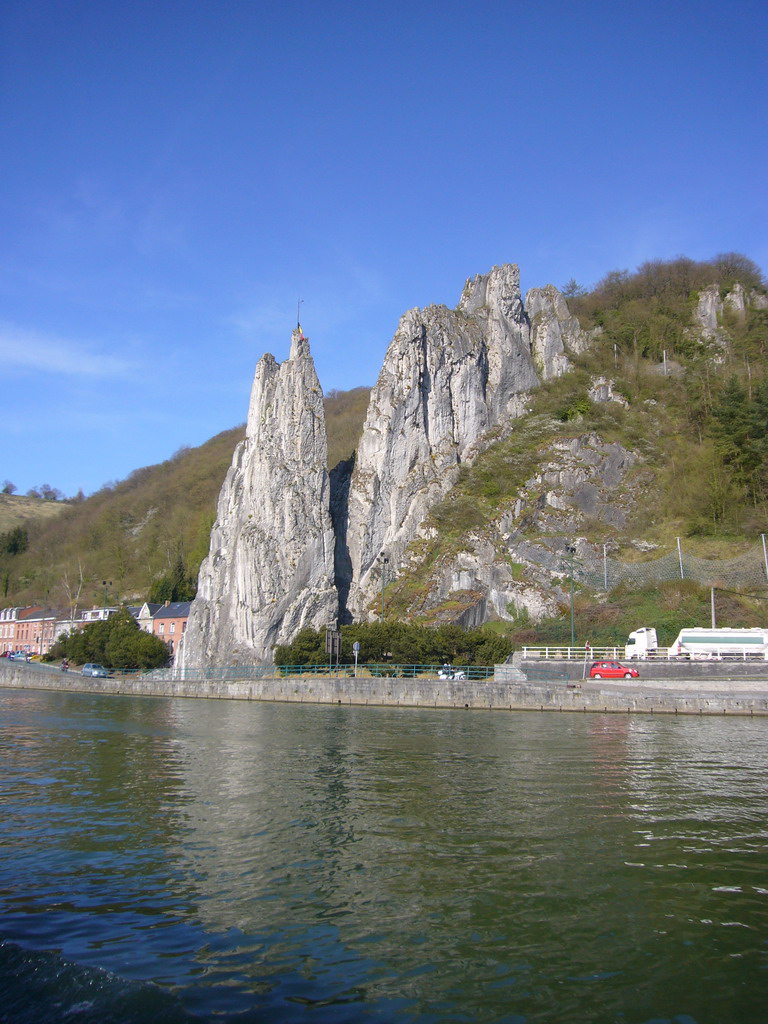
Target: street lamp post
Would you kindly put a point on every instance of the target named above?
(332, 645)
(383, 563)
(571, 552)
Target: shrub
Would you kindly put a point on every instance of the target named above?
(116, 642)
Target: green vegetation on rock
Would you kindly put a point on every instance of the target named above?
(693, 410)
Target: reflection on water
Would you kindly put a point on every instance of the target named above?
(284, 862)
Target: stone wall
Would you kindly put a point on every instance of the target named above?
(729, 697)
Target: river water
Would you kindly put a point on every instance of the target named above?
(190, 860)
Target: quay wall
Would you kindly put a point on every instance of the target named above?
(509, 691)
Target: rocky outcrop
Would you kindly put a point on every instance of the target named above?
(708, 314)
(709, 309)
(518, 566)
(270, 567)
(582, 477)
(603, 389)
(451, 379)
(554, 332)
(289, 543)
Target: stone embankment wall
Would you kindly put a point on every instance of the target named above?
(509, 691)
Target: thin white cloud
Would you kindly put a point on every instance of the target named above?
(268, 319)
(25, 349)
(328, 300)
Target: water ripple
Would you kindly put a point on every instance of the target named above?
(270, 863)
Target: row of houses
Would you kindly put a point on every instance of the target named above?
(34, 629)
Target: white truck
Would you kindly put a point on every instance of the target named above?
(699, 643)
(641, 643)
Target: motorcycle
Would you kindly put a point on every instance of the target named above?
(448, 672)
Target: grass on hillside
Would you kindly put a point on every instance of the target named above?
(111, 546)
(19, 510)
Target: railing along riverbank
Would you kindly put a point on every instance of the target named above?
(576, 653)
(376, 670)
(589, 654)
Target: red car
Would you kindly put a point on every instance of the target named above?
(612, 670)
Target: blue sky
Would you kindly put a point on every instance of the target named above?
(177, 174)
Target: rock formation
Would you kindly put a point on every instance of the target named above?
(449, 378)
(510, 568)
(554, 332)
(710, 307)
(270, 567)
(293, 546)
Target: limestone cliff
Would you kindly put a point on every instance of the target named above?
(449, 378)
(270, 567)
(711, 305)
(515, 566)
(554, 332)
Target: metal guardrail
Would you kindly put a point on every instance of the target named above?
(224, 673)
(618, 654)
(369, 669)
(581, 653)
(216, 673)
(386, 670)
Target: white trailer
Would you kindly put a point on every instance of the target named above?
(699, 643)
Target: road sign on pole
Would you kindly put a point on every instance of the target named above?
(332, 644)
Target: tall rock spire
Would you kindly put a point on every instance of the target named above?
(269, 572)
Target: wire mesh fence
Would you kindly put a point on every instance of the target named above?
(747, 570)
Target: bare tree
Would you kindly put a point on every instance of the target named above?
(73, 592)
